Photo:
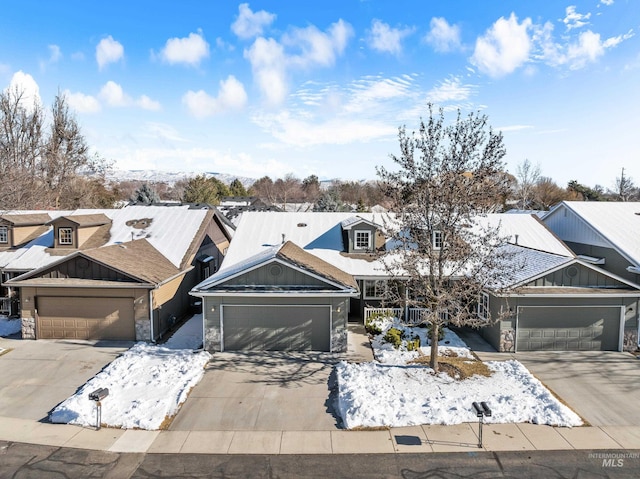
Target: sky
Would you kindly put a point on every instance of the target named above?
(275, 88)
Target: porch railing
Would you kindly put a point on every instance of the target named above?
(411, 316)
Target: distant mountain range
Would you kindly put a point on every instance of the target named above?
(170, 177)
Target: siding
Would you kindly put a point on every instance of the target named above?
(265, 276)
(570, 227)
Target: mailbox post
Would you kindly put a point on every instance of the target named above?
(97, 396)
(482, 410)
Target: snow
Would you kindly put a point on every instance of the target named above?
(393, 393)
(9, 326)
(147, 384)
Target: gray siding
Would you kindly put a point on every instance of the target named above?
(276, 274)
(577, 276)
(614, 261)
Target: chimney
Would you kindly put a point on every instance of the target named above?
(283, 238)
(516, 238)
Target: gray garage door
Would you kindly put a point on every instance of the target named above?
(85, 318)
(276, 328)
(568, 328)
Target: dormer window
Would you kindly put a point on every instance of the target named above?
(4, 235)
(65, 236)
(436, 239)
(362, 240)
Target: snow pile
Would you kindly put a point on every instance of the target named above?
(9, 326)
(372, 394)
(385, 353)
(146, 385)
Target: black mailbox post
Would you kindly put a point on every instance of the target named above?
(482, 411)
(97, 396)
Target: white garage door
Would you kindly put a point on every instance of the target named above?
(276, 328)
(575, 328)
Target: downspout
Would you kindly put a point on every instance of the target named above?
(153, 338)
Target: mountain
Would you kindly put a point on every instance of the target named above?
(170, 177)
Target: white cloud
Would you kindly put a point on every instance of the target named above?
(449, 90)
(503, 48)
(308, 47)
(383, 38)
(55, 54)
(513, 128)
(606, 2)
(162, 131)
(574, 19)
(147, 103)
(108, 51)
(189, 50)
(25, 85)
(442, 36)
(113, 95)
(231, 96)
(268, 63)
(251, 24)
(370, 93)
(82, 103)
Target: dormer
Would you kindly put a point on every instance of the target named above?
(17, 229)
(360, 235)
(71, 232)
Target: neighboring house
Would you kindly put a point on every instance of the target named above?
(603, 233)
(107, 274)
(266, 297)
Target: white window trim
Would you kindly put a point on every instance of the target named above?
(436, 239)
(378, 290)
(4, 235)
(483, 306)
(65, 229)
(355, 239)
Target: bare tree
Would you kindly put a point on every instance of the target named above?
(624, 189)
(445, 256)
(527, 176)
(547, 193)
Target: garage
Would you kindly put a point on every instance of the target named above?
(276, 328)
(568, 328)
(85, 318)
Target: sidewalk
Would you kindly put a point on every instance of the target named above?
(421, 439)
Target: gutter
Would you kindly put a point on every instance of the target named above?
(153, 338)
(633, 269)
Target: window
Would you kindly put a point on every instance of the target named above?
(436, 239)
(483, 306)
(65, 235)
(374, 289)
(362, 240)
(4, 234)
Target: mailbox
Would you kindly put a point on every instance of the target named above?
(99, 394)
(485, 409)
(482, 410)
(478, 408)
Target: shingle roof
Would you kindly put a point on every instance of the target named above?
(96, 219)
(27, 219)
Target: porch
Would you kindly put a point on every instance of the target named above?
(407, 315)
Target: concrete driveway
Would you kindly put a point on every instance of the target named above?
(601, 386)
(35, 376)
(262, 391)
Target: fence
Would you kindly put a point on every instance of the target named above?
(410, 316)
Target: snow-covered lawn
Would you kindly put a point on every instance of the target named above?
(147, 384)
(9, 326)
(393, 393)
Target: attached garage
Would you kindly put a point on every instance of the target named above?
(276, 328)
(85, 318)
(569, 328)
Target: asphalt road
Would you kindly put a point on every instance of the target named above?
(26, 461)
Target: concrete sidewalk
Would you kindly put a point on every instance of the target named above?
(421, 439)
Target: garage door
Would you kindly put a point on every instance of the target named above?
(568, 329)
(276, 328)
(85, 318)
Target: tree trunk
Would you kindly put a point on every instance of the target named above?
(433, 360)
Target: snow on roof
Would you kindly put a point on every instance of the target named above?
(320, 234)
(530, 231)
(169, 229)
(617, 221)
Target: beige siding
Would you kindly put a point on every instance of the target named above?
(19, 234)
(85, 233)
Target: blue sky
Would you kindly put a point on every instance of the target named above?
(271, 88)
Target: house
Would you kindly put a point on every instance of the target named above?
(262, 292)
(107, 274)
(603, 233)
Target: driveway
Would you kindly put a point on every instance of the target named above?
(262, 391)
(35, 376)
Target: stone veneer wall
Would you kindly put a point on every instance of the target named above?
(28, 328)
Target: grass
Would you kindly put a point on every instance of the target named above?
(457, 367)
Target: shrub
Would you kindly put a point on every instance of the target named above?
(372, 327)
(394, 337)
(413, 344)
